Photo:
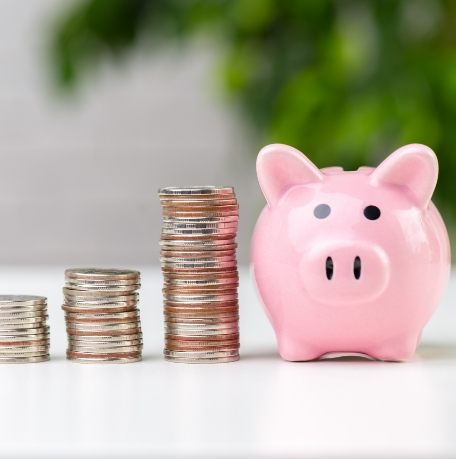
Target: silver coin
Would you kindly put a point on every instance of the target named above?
(201, 332)
(101, 273)
(97, 288)
(188, 219)
(233, 324)
(89, 326)
(17, 350)
(36, 359)
(105, 339)
(102, 282)
(21, 300)
(105, 349)
(231, 226)
(23, 338)
(19, 321)
(201, 354)
(186, 298)
(188, 282)
(20, 354)
(213, 244)
(103, 316)
(104, 344)
(200, 266)
(21, 328)
(84, 295)
(199, 231)
(176, 227)
(201, 212)
(202, 360)
(171, 319)
(199, 260)
(89, 359)
(103, 304)
(22, 315)
(25, 331)
(191, 190)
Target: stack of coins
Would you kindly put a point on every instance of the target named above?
(101, 314)
(198, 258)
(24, 333)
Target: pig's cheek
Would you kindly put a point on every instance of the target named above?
(299, 227)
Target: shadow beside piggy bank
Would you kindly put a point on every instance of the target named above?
(349, 261)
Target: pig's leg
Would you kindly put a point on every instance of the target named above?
(396, 350)
(295, 350)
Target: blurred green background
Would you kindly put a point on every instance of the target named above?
(347, 82)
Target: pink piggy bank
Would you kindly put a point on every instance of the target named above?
(349, 261)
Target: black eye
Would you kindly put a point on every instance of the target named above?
(372, 212)
(322, 211)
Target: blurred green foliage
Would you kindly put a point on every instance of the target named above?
(345, 81)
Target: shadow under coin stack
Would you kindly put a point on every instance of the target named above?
(198, 258)
(101, 314)
(24, 333)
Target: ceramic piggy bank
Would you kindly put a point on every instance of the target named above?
(349, 261)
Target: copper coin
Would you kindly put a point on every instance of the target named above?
(219, 290)
(33, 342)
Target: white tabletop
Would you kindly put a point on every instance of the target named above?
(260, 406)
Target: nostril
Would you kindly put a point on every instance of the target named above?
(357, 267)
(329, 268)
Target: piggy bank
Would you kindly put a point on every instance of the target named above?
(349, 262)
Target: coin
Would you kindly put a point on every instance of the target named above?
(107, 274)
(200, 278)
(24, 333)
(206, 189)
(21, 300)
(101, 315)
(104, 338)
(24, 359)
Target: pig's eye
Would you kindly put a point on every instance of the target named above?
(372, 212)
(322, 211)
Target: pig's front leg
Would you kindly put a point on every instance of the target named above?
(400, 349)
(295, 350)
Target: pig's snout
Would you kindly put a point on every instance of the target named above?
(345, 272)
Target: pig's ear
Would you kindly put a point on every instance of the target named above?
(414, 168)
(279, 167)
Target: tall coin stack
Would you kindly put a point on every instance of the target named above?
(101, 314)
(198, 258)
(24, 333)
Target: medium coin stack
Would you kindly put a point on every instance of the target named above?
(102, 318)
(198, 258)
(24, 333)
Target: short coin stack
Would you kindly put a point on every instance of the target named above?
(24, 333)
(101, 314)
(198, 258)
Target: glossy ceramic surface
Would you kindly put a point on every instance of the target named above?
(349, 261)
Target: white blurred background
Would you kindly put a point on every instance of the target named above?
(79, 173)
